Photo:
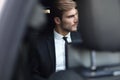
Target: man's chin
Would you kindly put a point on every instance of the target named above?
(74, 29)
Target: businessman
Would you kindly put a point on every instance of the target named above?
(47, 53)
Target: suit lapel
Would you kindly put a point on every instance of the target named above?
(51, 48)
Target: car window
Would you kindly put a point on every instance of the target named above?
(2, 4)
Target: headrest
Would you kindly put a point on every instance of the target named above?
(100, 24)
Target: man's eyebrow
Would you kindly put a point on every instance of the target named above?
(73, 14)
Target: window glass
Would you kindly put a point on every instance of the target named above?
(2, 3)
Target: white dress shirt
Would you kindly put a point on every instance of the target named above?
(60, 50)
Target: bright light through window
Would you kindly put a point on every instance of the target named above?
(2, 2)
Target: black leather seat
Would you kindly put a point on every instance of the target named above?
(100, 25)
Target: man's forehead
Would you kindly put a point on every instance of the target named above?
(71, 12)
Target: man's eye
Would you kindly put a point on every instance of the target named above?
(71, 16)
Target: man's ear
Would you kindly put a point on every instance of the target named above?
(57, 20)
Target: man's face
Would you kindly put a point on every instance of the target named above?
(69, 21)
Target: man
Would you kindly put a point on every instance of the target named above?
(48, 53)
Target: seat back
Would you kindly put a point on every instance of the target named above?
(100, 24)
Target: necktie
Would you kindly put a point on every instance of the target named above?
(66, 52)
(65, 38)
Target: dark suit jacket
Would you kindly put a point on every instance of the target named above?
(42, 56)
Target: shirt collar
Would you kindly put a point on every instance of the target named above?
(59, 36)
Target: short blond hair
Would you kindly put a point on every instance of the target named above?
(60, 6)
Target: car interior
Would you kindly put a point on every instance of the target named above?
(95, 53)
